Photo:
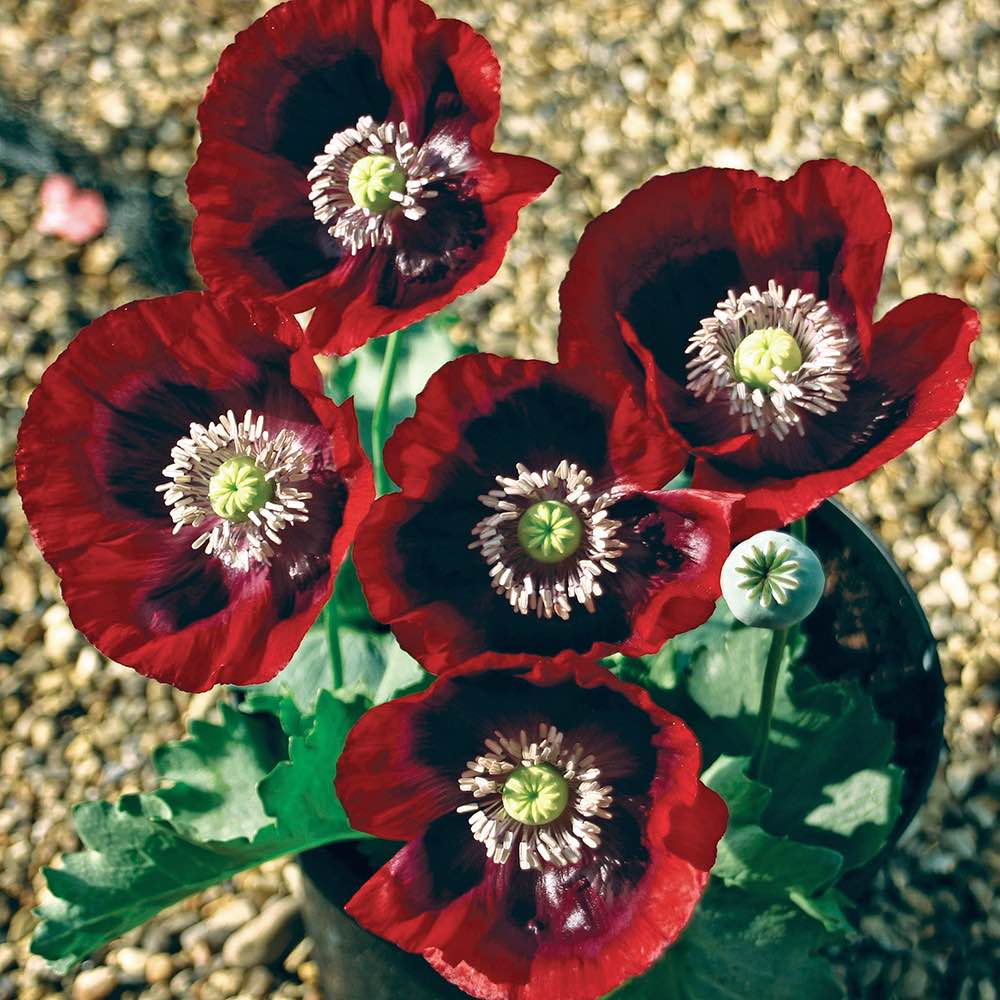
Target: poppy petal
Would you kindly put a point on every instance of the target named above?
(304, 72)
(481, 419)
(919, 372)
(575, 931)
(93, 445)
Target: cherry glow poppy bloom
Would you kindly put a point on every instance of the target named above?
(559, 837)
(184, 475)
(532, 520)
(345, 165)
(745, 306)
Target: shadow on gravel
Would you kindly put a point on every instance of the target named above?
(154, 241)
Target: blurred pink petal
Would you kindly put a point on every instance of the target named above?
(71, 213)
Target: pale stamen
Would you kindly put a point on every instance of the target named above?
(558, 843)
(199, 456)
(424, 166)
(548, 589)
(818, 385)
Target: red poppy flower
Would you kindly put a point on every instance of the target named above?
(345, 164)
(195, 491)
(745, 305)
(531, 520)
(559, 837)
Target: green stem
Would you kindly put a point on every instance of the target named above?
(771, 671)
(383, 484)
(333, 642)
(798, 531)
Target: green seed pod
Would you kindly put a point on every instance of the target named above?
(772, 580)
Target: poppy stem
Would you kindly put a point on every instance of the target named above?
(771, 671)
(383, 484)
(333, 642)
(797, 530)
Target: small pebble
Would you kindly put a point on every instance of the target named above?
(226, 982)
(258, 982)
(298, 955)
(914, 984)
(213, 932)
(94, 984)
(159, 968)
(161, 933)
(263, 939)
(132, 962)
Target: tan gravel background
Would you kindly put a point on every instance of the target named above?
(611, 92)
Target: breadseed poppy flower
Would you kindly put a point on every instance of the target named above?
(745, 306)
(184, 475)
(345, 164)
(531, 519)
(559, 837)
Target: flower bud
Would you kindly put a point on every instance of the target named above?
(772, 580)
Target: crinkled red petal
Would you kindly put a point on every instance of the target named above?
(497, 932)
(344, 321)
(424, 449)
(400, 767)
(87, 467)
(438, 67)
(440, 633)
(646, 273)
(681, 595)
(500, 969)
(919, 364)
(383, 783)
(684, 216)
(477, 418)
(302, 72)
(840, 229)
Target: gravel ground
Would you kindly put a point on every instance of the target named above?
(611, 92)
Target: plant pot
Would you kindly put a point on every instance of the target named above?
(868, 626)
(354, 964)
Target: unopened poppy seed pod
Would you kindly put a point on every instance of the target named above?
(772, 580)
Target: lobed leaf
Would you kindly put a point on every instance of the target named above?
(147, 852)
(299, 792)
(746, 798)
(134, 864)
(299, 684)
(214, 774)
(377, 668)
(752, 858)
(736, 947)
(828, 763)
(374, 666)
